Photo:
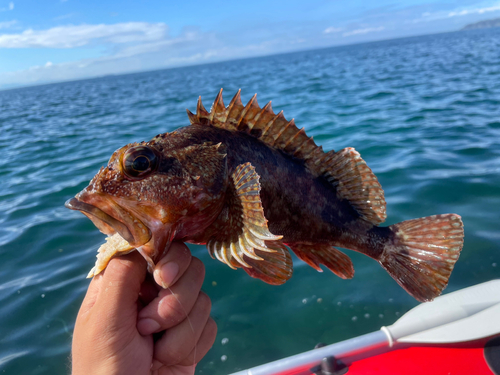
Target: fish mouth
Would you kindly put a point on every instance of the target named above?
(129, 226)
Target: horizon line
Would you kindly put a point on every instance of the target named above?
(19, 87)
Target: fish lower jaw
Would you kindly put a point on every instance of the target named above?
(110, 217)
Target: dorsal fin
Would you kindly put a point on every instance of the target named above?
(356, 182)
(273, 129)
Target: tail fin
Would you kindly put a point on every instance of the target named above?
(423, 252)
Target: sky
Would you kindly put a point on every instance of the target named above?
(44, 41)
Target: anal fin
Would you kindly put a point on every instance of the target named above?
(316, 254)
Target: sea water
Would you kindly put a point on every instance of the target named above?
(422, 111)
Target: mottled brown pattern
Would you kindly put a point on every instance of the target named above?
(246, 182)
(297, 205)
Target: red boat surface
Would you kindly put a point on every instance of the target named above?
(456, 334)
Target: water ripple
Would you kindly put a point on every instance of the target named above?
(423, 112)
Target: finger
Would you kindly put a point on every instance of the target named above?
(203, 345)
(174, 304)
(170, 268)
(179, 341)
(121, 285)
(173, 265)
(91, 295)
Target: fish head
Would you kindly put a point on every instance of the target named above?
(152, 192)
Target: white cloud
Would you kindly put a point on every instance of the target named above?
(330, 30)
(465, 12)
(193, 47)
(157, 51)
(77, 36)
(139, 46)
(364, 31)
(459, 12)
(10, 7)
(7, 24)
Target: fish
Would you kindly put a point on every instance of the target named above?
(250, 185)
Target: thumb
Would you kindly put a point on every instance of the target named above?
(120, 286)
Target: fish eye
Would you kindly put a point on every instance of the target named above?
(140, 161)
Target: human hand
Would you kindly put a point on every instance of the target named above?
(123, 310)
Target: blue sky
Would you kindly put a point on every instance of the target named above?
(56, 40)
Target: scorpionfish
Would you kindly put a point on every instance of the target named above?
(248, 183)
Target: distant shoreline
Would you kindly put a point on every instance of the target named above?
(12, 87)
(486, 24)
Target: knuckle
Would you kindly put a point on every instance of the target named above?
(171, 311)
(197, 266)
(204, 302)
(209, 335)
(172, 356)
(211, 328)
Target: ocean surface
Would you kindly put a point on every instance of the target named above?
(424, 113)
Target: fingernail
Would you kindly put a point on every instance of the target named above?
(147, 326)
(166, 273)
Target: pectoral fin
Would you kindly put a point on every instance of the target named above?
(241, 237)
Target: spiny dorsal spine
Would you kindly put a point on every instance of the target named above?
(345, 169)
(273, 129)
